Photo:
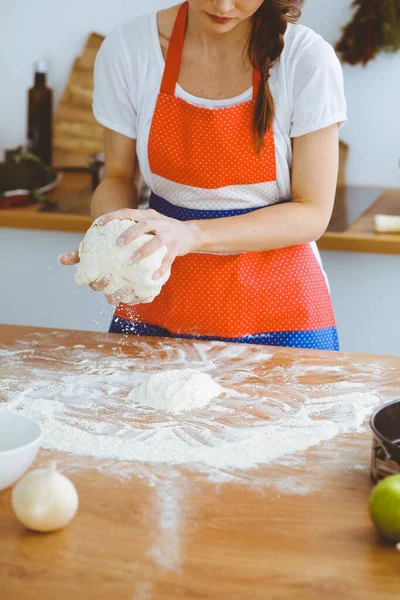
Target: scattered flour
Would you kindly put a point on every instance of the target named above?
(82, 398)
(195, 441)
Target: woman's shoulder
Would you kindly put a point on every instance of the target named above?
(143, 30)
(134, 33)
(299, 37)
(303, 44)
(131, 46)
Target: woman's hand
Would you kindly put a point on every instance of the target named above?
(69, 258)
(179, 237)
(99, 284)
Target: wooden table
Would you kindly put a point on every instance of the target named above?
(227, 541)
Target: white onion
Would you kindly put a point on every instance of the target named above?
(45, 500)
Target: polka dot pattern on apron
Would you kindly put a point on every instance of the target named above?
(231, 296)
(208, 148)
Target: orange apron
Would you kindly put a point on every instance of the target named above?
(277, 297)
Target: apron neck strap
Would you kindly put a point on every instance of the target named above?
(173, 60)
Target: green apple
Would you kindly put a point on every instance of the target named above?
(384, 507)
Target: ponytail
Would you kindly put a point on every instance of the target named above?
(265, 46)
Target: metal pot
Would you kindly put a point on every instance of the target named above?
(385, 423)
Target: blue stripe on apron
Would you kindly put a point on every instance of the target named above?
(188, 214)
(321, 339)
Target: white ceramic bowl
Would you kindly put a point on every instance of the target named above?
(20, 439)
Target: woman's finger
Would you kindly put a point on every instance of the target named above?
(143, 300)
(166, 264)
(134, 232)
(100, 284)
(147, 249)
(69, 258)
(132, 214)
(125, 213)
(117, 296)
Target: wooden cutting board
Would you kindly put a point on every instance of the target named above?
(76, 133)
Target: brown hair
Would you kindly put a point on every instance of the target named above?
(265, 46)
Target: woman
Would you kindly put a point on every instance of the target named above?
(232, 110)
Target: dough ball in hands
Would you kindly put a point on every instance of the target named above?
(45, 500)
(100, 255)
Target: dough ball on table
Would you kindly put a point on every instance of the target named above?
(100, 255)
(45, 500)
(177, 390)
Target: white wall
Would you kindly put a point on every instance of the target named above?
(56, 30)
(373, 95)
(37, 290)
(365, 292)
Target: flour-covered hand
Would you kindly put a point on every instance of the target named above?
(99, 284)
(118, 296)
(69, 258)
(179, 237)
(72, 258)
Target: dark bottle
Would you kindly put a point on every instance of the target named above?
(40, 115)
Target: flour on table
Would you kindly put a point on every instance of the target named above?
(266, 415)
(177, 390)
(100, 255)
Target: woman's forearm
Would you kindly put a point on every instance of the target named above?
(270, 228)
(112, 194)
(303, 220)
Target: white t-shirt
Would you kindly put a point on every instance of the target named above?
(306, 84)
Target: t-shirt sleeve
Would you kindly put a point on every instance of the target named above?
(113, 101)
(318, 90)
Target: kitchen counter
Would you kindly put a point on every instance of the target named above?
(359, 235)
(293, 529)
(344, 233)
(73, 195)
